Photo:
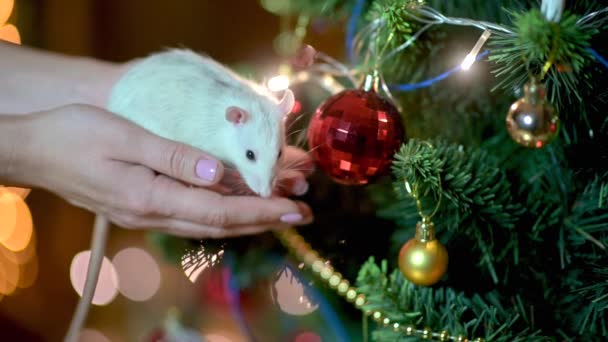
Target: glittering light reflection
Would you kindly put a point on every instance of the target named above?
(196, 261)
(91, 335)
(288, 292)
(107, 284)
(138, 274)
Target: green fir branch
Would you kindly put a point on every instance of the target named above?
(536, 42)
(476, 199)
(439, 309)
(466, 178)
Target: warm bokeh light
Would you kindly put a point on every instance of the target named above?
(9, 276)
(8, 32)
(28, 273)
(307, 336)
(6, 8)
(91, 335)
(138, 274)
(23, 256)
(21, 192)
(107, 284)
(16, 228)
(288, 293)
(8, 214)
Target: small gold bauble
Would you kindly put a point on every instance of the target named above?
(532, 120)
(423, 260)
(444, 336)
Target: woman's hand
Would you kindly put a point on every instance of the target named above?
(99, 161)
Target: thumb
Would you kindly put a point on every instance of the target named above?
(177, 160)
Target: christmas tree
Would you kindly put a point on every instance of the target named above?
(490, 220)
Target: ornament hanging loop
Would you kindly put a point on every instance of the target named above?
(413, 191)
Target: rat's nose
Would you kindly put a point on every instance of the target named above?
(266, 192)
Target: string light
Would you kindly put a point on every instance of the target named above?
(470, 58)
(278, 83)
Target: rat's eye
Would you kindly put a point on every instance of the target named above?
(280, 154)
(250, 155)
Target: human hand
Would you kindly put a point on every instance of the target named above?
(101, 162)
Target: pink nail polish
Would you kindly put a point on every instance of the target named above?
(291, 218)
(206, 169)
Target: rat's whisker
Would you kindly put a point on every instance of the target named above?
(295, 132)
(294, 121)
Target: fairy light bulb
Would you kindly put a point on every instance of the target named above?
(471, 56)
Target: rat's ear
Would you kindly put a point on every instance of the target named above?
(236, 115)
(287, 102)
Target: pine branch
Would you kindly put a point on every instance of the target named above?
(439, 309)
(467, 179)
(538, 41)
(476, 198)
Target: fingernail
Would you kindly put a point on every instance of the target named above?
(206, 169)
(301, 187)
(291, 218)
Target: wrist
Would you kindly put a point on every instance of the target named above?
(95, 86)
(14, 136)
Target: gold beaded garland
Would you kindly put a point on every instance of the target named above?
(296, 244)
(409, 330)
(343, 286)
(334, 280)
(359, 301)
(427, 333)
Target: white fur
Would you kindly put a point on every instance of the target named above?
(183, 96)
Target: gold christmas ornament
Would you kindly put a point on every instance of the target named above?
(532, 121)
(423, 260)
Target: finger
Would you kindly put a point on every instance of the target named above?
(292, 183)
(177, 160)
(188, 229)
(170, 198)
(298, 160)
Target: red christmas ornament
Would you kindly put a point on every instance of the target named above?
(354, 134)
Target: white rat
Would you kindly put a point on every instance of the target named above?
(186, 97)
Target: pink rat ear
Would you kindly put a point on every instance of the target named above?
(236, 115)
(287, 102)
